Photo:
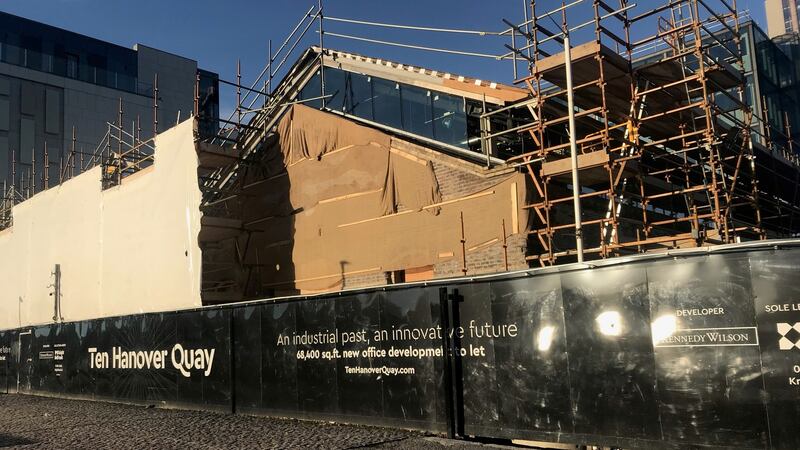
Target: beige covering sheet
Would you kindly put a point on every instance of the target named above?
(347, 203)
(129, 249)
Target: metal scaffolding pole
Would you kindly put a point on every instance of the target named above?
(573, 148)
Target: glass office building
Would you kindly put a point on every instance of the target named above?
(52, 50)
(54, 81)
(773, 83)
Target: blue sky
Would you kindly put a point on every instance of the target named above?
(217, 33)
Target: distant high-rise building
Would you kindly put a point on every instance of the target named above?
(782, 17)
(53, 81)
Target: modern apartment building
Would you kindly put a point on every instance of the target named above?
(53, 81)
(782, 17)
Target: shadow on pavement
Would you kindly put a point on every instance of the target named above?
(9, 440)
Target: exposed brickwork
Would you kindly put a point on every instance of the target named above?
(455, 182)
(487, 260)
(364, 280)
(456, 176)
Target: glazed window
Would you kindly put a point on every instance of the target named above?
(387, 107)
(335, 82)
(312, 89)
(72, 66)
(359, 94)
(26, 139)
(450, 120)
(417, 111)
(52, 111)
(422, 112)
(4, 114)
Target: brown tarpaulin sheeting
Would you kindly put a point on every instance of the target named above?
(348, 203)
(357, 158)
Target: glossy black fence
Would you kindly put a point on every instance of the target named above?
(670, 352)
(93, 359)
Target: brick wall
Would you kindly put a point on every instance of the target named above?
(455, 182)
(487, 260)
(364, 280)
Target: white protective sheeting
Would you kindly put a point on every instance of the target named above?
(129, 249)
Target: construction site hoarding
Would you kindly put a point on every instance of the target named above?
(695, 349)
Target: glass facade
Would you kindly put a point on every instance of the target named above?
(387, 107)
(48, 49)
(778, 83)
(772, 82)
(422, 112)
(208, 114)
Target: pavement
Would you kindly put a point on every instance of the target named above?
(32, 422)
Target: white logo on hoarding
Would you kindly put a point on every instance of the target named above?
(784, 329)
(182, 359)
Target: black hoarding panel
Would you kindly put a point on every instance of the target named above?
(357, 321)
(611, 364)
(475, 359)
(9, 351)
(71, 359)
(57, 345)
(409, 366)
(777, 302)
(201, 359)
(135, 358)
(41, 364)
(279, 357)
(246, 346)
(216, 334)
(316, 374)
(530, 360)
(189, 328)
(26, 360)
(151, 358)
(696, 351)
(100, 337)
(708, 369)
(368, 358)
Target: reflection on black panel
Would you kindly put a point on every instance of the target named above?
(357, 319)
(534, 363)
(611, 364)
(777, 305)
(709, 376)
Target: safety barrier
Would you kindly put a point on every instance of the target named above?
(697, 348)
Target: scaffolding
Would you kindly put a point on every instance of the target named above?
(637, 134)
(231, 157)
(660, 151)
(663, 150)
(120, 152)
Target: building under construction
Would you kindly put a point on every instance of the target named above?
(631, 128)
(402, 236)
(666, 151)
